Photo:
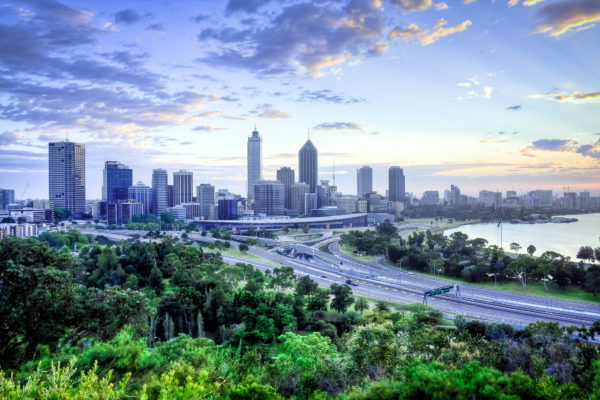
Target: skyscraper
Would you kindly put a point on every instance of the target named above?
(268, 197)
(7, 196)
(118, 178)
(66, 176)
(308, 163)
(397, 187)
(287, 176)
(143, 194)
(364, 181)
(299, 190)
(160, 188)
(182, 187)
(205, 195)
(254, 162)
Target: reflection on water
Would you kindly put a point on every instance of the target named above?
(565, 239)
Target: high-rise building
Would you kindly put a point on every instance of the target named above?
(143, 194)
(310, 203)
(298, 196)
(205, 195)
(308, 164)
(364, 181)
(182, 187)
(118, 178)
(397, 187)
(268, 198)
(254, 162)
(287, 176)
(538, 198)
(66, 176)
(489, 198)
(228, 209)
(431, 197)
(453, 195)
(7, 196)
(160, 184)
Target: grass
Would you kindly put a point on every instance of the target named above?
(533, 288)
(235, 252)
(349, 251)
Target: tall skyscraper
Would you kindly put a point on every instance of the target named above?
(118, 178)
(143, 194)
(287, 176)
(205, 195)
(7, 196)
(254, 162)
(268, 197)
(308, 163)
(160, 183)
(182, 187)
(364, 181)
(397, 187)
(66, 176)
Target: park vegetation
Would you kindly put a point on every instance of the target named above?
(163, 320)
(473, 260)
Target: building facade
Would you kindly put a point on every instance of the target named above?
(7, 196)
(431, 197)
(397, 186)
(228, 209)
(160, 184)
(299, 191)
(66, 176)
(141, 193)
(182, 187)
(205, 195)
(364, 181)
(117, 179)
(287, 176)
(254, 162)
(268, 198)
(308, 164)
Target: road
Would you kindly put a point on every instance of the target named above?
(381, 281)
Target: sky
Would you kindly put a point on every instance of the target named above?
(497, 95)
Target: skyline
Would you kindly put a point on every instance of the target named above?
(484, 95)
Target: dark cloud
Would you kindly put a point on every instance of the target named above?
(302, 38)
(567, 15)
(246, 6)
(553, 144)
(328, 96)
(412, 5)
(513, 108)
(128, 17)
(157, 28)
(563, 145)
(200, 18)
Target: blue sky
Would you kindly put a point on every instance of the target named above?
(483, 94)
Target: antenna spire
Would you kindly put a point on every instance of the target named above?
(308, 133)
(334, 173)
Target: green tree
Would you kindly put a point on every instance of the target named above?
(361, 305)
(585, 253)
(342, 297)
(243, 247)
(531, 249)
(514, 246)
(318, 301)
(382, 306)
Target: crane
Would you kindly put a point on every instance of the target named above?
(24, 190)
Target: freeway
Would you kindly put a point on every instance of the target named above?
(381, 281)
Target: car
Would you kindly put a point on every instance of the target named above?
(351, 282)
(323, 276)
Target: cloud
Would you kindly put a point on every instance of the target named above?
(128, 17)
(328, 96)
(565, 16)
(469, 1)
(573, 97)
(441, 6)
(206, 128)
(563, 146)
(268, 111)
(513, 3)
(487, 92)
(303, 38)
(338, 126)
(412, 5)
(513, 108)
(156, 28)
(531, 2)
(8, 138)
(498, 140)
(245, 6)
(199, 18)
(469, 83)
(427, 37)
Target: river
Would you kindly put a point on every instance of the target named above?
(565, 239)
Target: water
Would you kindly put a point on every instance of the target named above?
(565, 239)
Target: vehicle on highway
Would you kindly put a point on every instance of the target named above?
(323, 276)
(351, 282)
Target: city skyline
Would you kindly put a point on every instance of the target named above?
(485, 95)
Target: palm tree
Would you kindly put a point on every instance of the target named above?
(382, 306)
(361, 305)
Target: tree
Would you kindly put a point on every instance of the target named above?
(382, 306)
(592, 280)
(386, 228)
(319, 301)
(243, 247)
(520, 268)
(342, 297)
(585, 253)
(361, 305)
(531, 249)
(283, 277)
(544, 272)
(514, 246)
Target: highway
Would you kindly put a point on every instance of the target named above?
(381, 281)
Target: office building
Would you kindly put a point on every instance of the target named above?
(397, 189)
(160, 191)
(308, 164)
(66, 176)
(299, 191)
(569, 200)
(192, 210)
(18, 230)
(228, 209)
(205, 195)
(141, 193)
(287, 176)
(182, 187)
(7, 196)
(364, 181)
(489, 198)
(310, 203)
(268, 198)
(254, 162)
(347, 204)
(538, 199)
(127, 210)
(431, 197)
(117, 179)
